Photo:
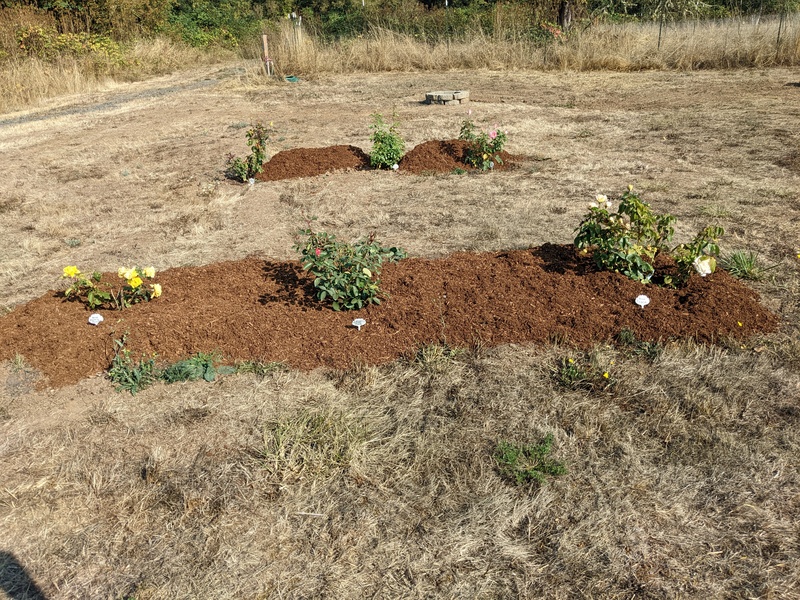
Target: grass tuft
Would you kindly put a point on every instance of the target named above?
(312, 444)
(745, 264)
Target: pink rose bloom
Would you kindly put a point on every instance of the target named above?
(493, 134)
(317, 252)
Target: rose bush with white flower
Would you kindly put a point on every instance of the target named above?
(628, 241)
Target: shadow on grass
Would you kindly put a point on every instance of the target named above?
(15, 580)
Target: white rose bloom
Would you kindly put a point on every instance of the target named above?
(704, 265)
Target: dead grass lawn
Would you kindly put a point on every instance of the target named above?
(682, 479)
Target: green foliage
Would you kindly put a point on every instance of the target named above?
(134, 375)
(346, 275)
(530, 463)
(485, 146)
(128, 374)
(387, 144)
(251, 165)
(744, 264)
(204, 23)
(88, 288)
(627, 241)
(98, 294)
(47, 44)
(199, 366)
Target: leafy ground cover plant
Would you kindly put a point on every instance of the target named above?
(528, 463)
(346, 275)
(628, 240)
(485, 146)
(95, 293)
(253, 164)
(132, 375)
(387, 144)
(632, 345)
(128, 374)
(200, 366)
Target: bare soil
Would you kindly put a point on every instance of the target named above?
(256, 309)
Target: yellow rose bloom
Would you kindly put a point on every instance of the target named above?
(71, 272)
(121, 271)
(149, 272)
(134, 282)
(131, 274)
(156, 290)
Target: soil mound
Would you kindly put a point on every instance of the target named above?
(439, 156)
(429, 157)
(308, 162)
(263, 310)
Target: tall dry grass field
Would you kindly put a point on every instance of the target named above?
(381, 481)
(27, 80)
(731, 43)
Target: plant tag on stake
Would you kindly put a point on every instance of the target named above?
(95, 319)
(359, 323)
(642, 300)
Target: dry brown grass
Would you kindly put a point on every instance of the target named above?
(380, 481)
(630, 47)
(26, 81)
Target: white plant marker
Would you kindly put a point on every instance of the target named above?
(252, 181)
(359, 323)
(642, 300)
(95, 319)
(395, 166)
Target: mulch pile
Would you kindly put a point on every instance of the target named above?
(429, 157)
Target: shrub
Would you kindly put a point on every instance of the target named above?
(484, 147)
(627, 241)
(46, 43)
(387, 145)
(528, 463)
(347, 275)
(250, 166)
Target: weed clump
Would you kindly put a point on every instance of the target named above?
(528, 463)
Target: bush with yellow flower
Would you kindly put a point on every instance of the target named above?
(97, 293)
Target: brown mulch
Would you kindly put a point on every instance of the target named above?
(308, 162)
(264, 310)
(443, 156)
(436, 156)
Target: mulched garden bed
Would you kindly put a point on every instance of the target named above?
(264, 310)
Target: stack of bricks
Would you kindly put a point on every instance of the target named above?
(447, 97)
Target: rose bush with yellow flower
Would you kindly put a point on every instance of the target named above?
(97, 293)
